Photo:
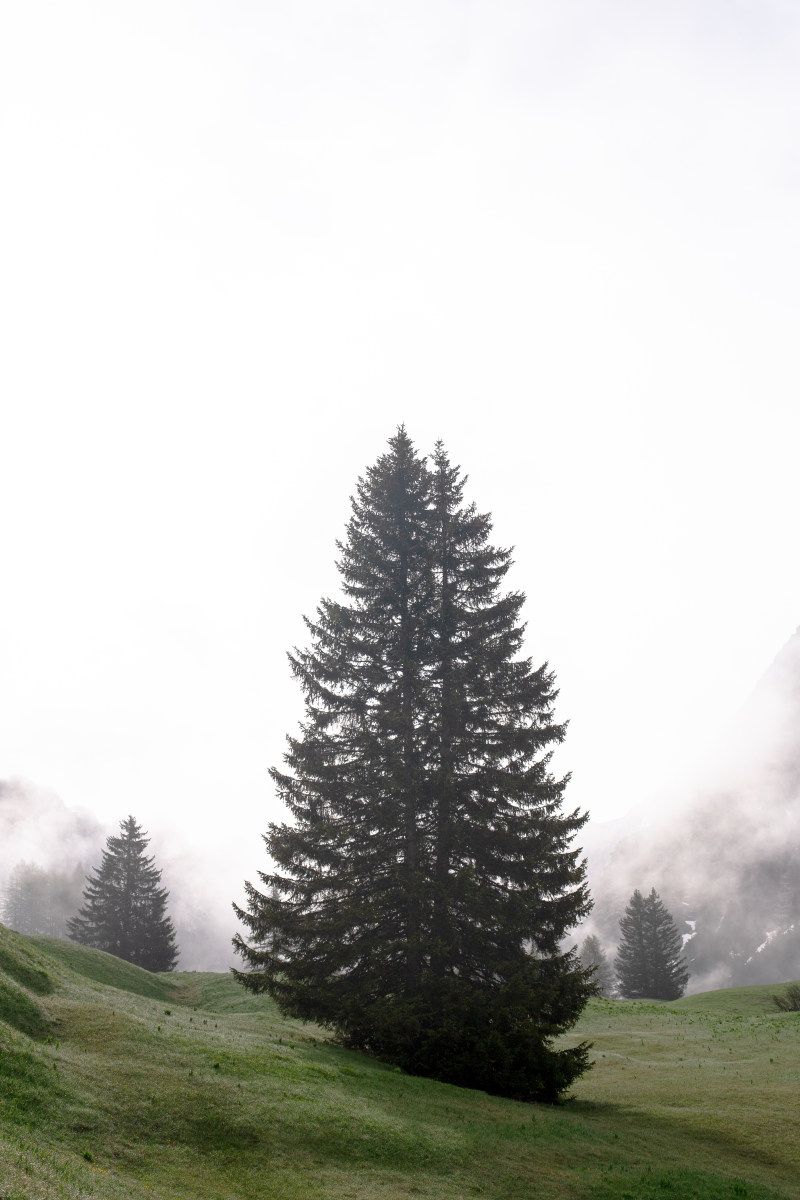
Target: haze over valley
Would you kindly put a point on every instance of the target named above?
(722, 853)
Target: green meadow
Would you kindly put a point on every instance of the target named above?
(118, 1083)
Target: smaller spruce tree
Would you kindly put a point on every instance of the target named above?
(593, 958)
(649, 963)
(125, 910)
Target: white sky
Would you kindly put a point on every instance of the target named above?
(240, 242)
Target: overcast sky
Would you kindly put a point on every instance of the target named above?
(240, 242)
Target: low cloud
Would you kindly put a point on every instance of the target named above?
(726, 857)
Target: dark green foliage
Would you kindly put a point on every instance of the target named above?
(649, 963)
(420, 897)
(790, 1000)
(125, 910)
(467, 1034)
(593, 958)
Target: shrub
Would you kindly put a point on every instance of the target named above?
(790, 1000)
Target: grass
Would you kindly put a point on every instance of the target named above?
(22, 964)
(103, 968)
(184, 1086)
(739, 1002)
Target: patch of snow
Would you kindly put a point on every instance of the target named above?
(687, 937)
(771, 935)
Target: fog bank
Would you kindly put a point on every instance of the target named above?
(725, 853)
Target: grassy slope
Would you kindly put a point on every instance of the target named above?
(103, 968)
(738, 1002)
(200, 1090)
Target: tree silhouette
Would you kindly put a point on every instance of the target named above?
(593, 957)
(124, 909)
(420, 896)
(649, 963)
(38, 900)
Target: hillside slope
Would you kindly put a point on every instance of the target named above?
(202, 1091)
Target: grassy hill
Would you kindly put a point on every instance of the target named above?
(118, 1083)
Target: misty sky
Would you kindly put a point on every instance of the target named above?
(240, 242)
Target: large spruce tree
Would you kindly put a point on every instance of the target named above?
(124, 909)
(649, 963)
(420, 897)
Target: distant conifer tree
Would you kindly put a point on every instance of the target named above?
(125, 910)
(593, 958)
(19, 908)
(38, 900)
(649, 963)
(420, 896)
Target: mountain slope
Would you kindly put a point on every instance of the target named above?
(727, 862)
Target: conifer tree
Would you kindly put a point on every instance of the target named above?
(124, 911)
(649, 963)
(419, 898)
(21, 908)
(593, 957)
(37, 900)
